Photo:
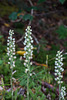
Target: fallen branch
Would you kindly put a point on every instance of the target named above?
(36, 42)
(47, 85)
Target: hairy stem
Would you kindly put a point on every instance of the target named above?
(11, 82)
(59, 91)
(28, 86)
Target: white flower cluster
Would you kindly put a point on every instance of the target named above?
(63, 93)
(58, 67)
(11, 49)
(28, 48)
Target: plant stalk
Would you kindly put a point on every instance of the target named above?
(59, 91)
(28, 86)
(11, 83)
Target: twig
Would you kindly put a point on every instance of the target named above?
(36, 42)
(31, 11)
(52, 12)
(30, 2)
(45, 84)
(32, 36)
(20, 39)
(17, 20)
(35, 39)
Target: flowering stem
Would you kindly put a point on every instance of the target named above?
(28, 55)
(28, 86)
(11, 83)
(59, 91)
(58, 73)
(28, 76)
(11, 55)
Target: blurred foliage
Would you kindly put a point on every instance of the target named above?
(27, 17)
(41, 56)
(40, 1)
(2, 47)
(6, 9)
(13, 16)
(10, 6)
(15, 97)
(4, 67)
(62, 1)
(24, 6)
(19, 25)
(36, 93)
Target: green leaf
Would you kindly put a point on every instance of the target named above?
(28, 17)
(62, 1)
(40, 1)
(13, 16)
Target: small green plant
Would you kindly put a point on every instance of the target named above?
(58, 74)
(28, 55)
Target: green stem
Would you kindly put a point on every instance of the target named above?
(11, 83)
(28, 86)
(59, 91)
(28, 76)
